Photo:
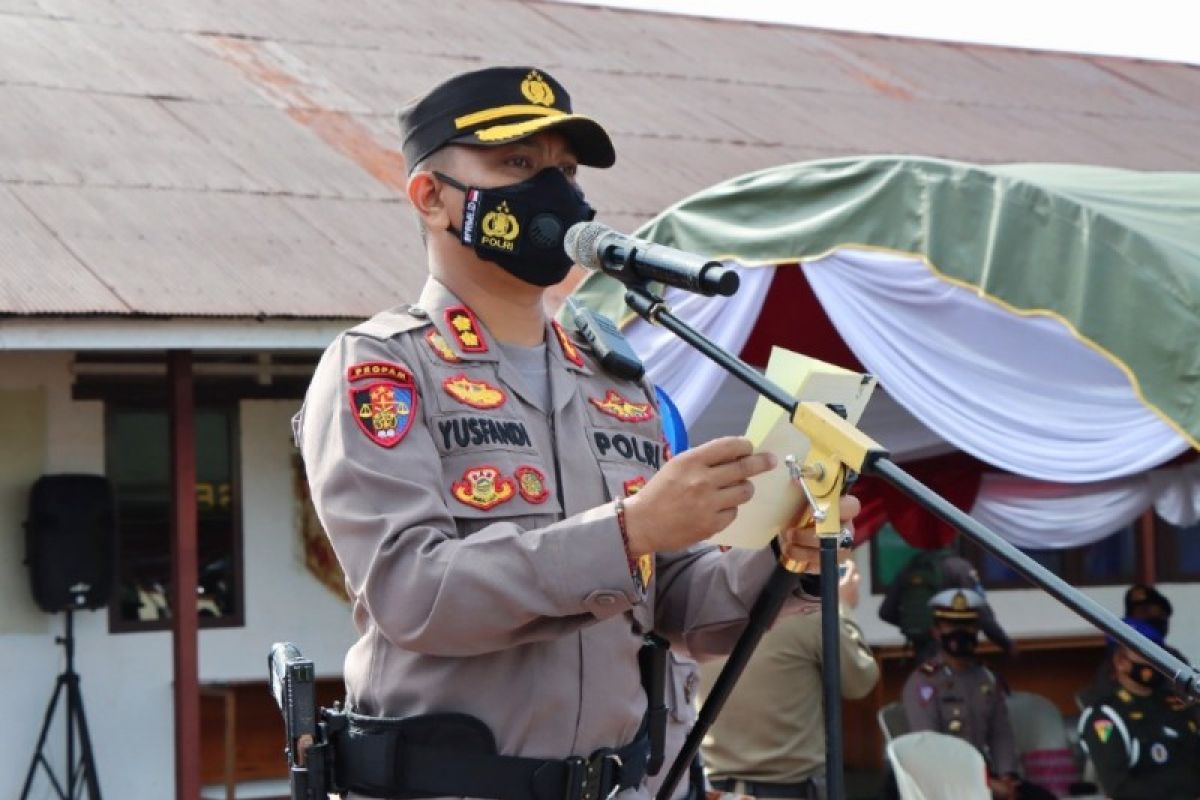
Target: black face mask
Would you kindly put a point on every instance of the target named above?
(1147, 676)
(960, 643)
(522, 226)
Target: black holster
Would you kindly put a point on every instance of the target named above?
(652, 659)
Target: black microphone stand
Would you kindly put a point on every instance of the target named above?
(834, 439)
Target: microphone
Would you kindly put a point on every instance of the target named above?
(634, 261)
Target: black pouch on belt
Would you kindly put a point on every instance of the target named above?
(652, 659)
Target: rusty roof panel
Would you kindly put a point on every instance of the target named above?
(278, 153)
(236, 158)
(64, 54)
(196, 253)
(39, 275)
(111, 141)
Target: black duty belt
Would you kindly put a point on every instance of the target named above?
(455, 754)
(804, 790)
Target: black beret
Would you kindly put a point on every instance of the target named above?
(495, 106)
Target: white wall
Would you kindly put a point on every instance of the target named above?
(126, 678)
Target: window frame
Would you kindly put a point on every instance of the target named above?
(237, 619)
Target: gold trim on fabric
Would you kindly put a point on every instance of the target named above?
(498, 133)
(499, 112)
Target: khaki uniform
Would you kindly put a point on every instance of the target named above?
(482, 555)
(968, 704)
(1143, 747)
(772, 728)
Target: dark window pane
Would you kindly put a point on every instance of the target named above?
(1178, 550)
(994, 573)
(138, 454)
(1112, 559)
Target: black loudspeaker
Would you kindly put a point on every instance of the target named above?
(69, 541)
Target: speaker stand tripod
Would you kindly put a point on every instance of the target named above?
(82, 773)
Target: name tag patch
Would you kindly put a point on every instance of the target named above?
(628, 447)
(460, 432)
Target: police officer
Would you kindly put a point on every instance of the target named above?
(953, 693)
(504, 510)
(906, 601)
(1142, 737)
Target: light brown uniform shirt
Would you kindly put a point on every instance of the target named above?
(969, 704)
(481, 550)
(772, 728)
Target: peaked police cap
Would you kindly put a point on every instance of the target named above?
(495, 106)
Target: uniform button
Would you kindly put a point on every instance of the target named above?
(604, 603)
(418, 312)
(605, 600)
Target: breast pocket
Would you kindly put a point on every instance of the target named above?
(482, 486)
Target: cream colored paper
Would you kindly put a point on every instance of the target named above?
(776, 499)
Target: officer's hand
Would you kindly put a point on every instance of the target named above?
(803, 545)
(695, 495)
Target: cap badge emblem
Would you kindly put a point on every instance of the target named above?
(536, 90)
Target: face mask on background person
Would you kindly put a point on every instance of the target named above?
(960, 642)
(522, 226)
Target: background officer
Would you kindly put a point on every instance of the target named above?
(501, 506)
(769, 740)
(1141, 736)
(953, 693)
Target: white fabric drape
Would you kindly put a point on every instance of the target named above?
(689, 377)
(1019, 392)
(1041, 515)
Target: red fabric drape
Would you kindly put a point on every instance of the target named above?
(793, 317)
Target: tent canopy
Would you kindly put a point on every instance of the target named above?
(1041, 320)
(1112, 254)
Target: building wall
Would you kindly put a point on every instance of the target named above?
(126, 679)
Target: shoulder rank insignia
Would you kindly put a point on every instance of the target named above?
(616, 406)
(483, 487)
(531, 484)
(1103, 729)
(441, 348)
(476, 394)
(465, 328)
(568, 347)
(383, 399)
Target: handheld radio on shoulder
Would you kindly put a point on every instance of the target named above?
(607, 342)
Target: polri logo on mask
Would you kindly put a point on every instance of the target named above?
(500, 229)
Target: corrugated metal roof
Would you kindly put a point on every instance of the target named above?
(208, 157)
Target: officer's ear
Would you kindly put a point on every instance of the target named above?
(425, 194)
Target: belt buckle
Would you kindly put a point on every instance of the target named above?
(577, 778)
(603, 769)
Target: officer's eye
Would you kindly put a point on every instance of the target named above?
(519, 161)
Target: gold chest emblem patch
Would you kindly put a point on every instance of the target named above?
(441, 347)
(483, 487)
(476, 394)
(531, 483)
(614, 405)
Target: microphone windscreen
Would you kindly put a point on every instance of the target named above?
(581, 243)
